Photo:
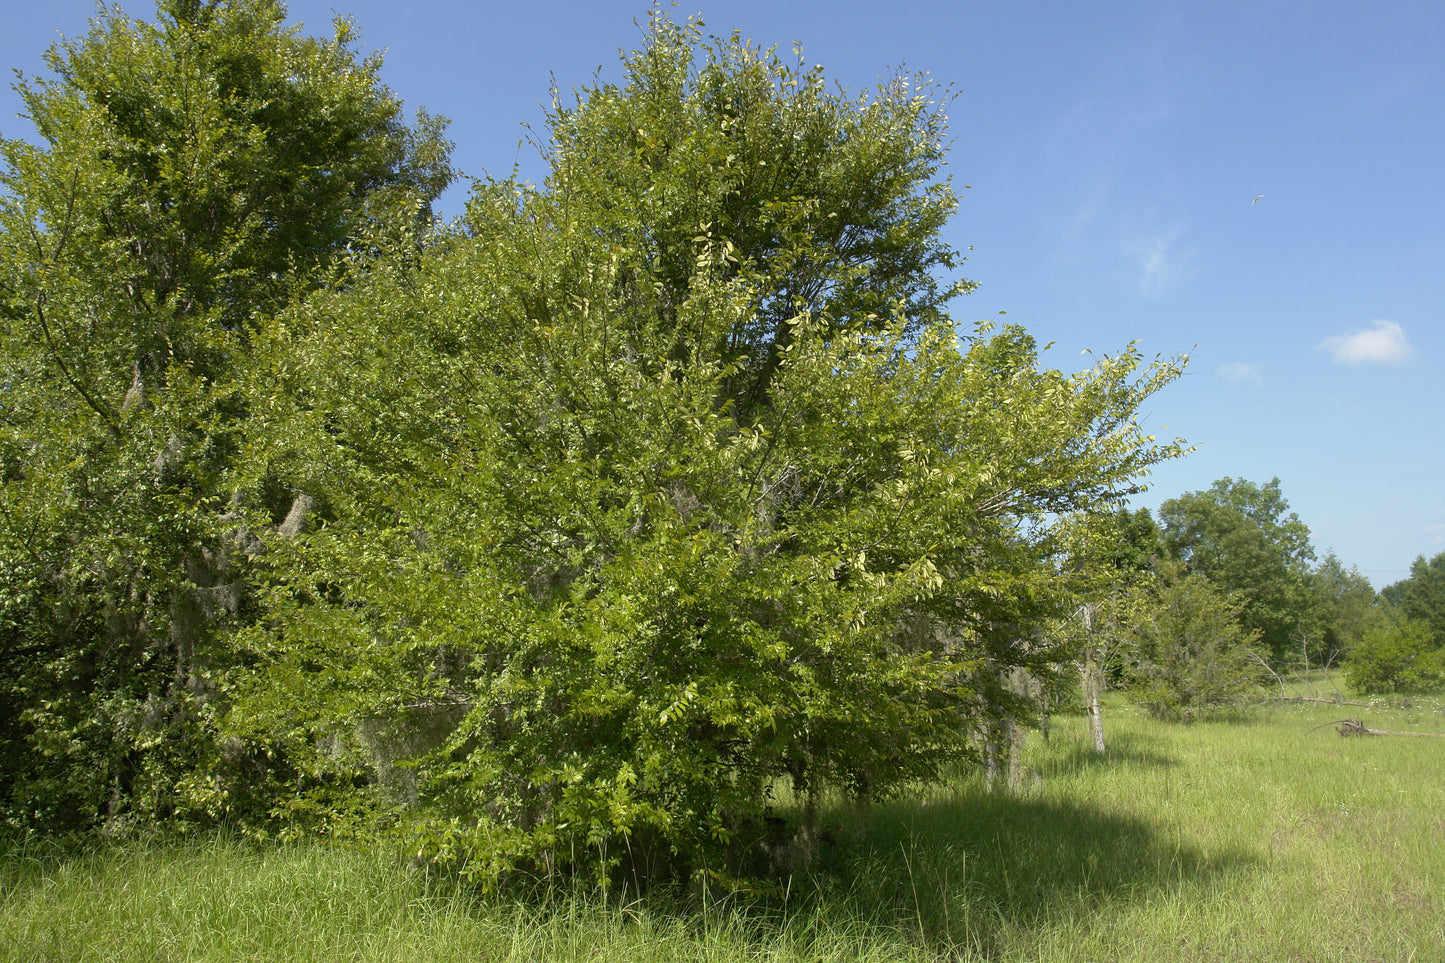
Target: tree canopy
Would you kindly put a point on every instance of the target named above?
(1422, 595)
(1243, 537)
(559, 539)
(193, 175)
(1402, 648)
(1396, 654)
(670, 480)
(1186, 651)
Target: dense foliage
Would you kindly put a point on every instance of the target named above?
(1345, 607)
(564, 538)
(579, 534)
(1173, 618)
(1244, 539)
(1185, 651)
(669, 484)
(194, 175)
(1403, 647)
(1422, 595)
(1397, 655)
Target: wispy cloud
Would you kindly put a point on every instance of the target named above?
(1241, 371)
(1155, 264)
(1385, 343)
(1161, 262)
(1436, 531)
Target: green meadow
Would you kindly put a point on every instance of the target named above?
(1264, 837)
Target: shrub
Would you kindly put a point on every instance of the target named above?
(1400, 655)
(1189, 653)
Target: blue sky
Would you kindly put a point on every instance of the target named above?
(1114, 153)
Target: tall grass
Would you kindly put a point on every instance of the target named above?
(1252, 840)
(1263, 838)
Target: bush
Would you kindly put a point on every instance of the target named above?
(1399, 656)
(1189, 654)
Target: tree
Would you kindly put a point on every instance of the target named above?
(1136, 546)
(1122, 549)
(1422, 595)
(1347, 607)
(829, 208)
(671, 481)
(193, 175)
(1404, 649)
(1189, 654)
(1243, 537)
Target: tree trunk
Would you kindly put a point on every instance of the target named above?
(1093, 679)
(1093, 682)
(1014, 739)
(989, 741)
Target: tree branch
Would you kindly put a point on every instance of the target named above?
(100, 408)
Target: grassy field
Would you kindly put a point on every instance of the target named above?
(1261, 838)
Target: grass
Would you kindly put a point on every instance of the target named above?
(1262, 838)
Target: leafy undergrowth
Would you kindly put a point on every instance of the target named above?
(1263, 838)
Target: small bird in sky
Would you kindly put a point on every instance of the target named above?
(1256, 199)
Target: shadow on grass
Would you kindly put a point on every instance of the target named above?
(973, 871)
(961, 875)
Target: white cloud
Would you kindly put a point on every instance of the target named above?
(1160, 260)
(1155, 264)
(1385, 343)
(1240, 371)
(1436, 531)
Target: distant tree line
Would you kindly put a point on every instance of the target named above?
(1225, 587)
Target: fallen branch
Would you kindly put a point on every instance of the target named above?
(1354, 727)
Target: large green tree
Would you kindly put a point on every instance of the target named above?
(191, 175)
(1243, 537)
(670, 483)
